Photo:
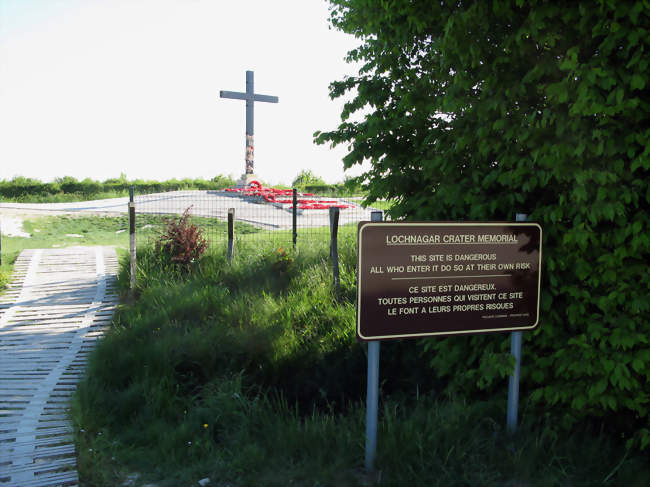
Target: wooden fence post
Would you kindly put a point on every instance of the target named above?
(231, 233)
(334, 247)
(132, 245)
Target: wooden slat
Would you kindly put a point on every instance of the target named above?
(59, 303)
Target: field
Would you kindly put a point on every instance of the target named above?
(249, 374)
(62, 231)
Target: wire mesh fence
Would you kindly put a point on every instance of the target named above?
(257, 214)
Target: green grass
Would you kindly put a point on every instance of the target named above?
(111, 230)
(383, 205)
(58, 231)
(250, 374)
(6, 268)
(63, 231)
(71, 230)
(67, 197)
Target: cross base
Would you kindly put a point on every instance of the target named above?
(245, 180)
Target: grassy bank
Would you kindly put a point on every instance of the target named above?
(249, 374)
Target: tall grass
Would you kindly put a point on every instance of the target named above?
(250, 374)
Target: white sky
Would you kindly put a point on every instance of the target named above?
(92, 88)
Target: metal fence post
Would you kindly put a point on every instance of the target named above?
(231, 233)
(513, 381)
(0, 242)
(372, 391)
(334, 247)
(132, 246)
(295, 216)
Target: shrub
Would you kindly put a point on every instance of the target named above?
(281, 261)
(306, 177)
(478, 110)
(182, 241)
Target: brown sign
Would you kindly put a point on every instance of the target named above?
(425, 279)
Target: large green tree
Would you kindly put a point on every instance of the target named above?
(478, 110)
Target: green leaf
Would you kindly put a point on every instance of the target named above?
(598, 388)
(638, 82)
(638, 365)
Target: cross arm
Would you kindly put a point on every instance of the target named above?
(233, 94)
(266, 98)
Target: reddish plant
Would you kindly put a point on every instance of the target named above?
(182, 241)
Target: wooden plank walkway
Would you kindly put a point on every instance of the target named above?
(59, 303)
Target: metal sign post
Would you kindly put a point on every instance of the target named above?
(422, 279)
(513, 381)
(372, 391)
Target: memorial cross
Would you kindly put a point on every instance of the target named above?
(251, 97)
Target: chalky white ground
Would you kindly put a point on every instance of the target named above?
(59, 303)
(12, 226)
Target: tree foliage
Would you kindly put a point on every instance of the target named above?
(478, 110)
(306, 177)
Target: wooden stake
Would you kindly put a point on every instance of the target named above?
(231, 233)
(132, 244)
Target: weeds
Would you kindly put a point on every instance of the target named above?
(182, 242)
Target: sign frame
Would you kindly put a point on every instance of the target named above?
(405, 227)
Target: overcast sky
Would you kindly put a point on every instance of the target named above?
(92, 88)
